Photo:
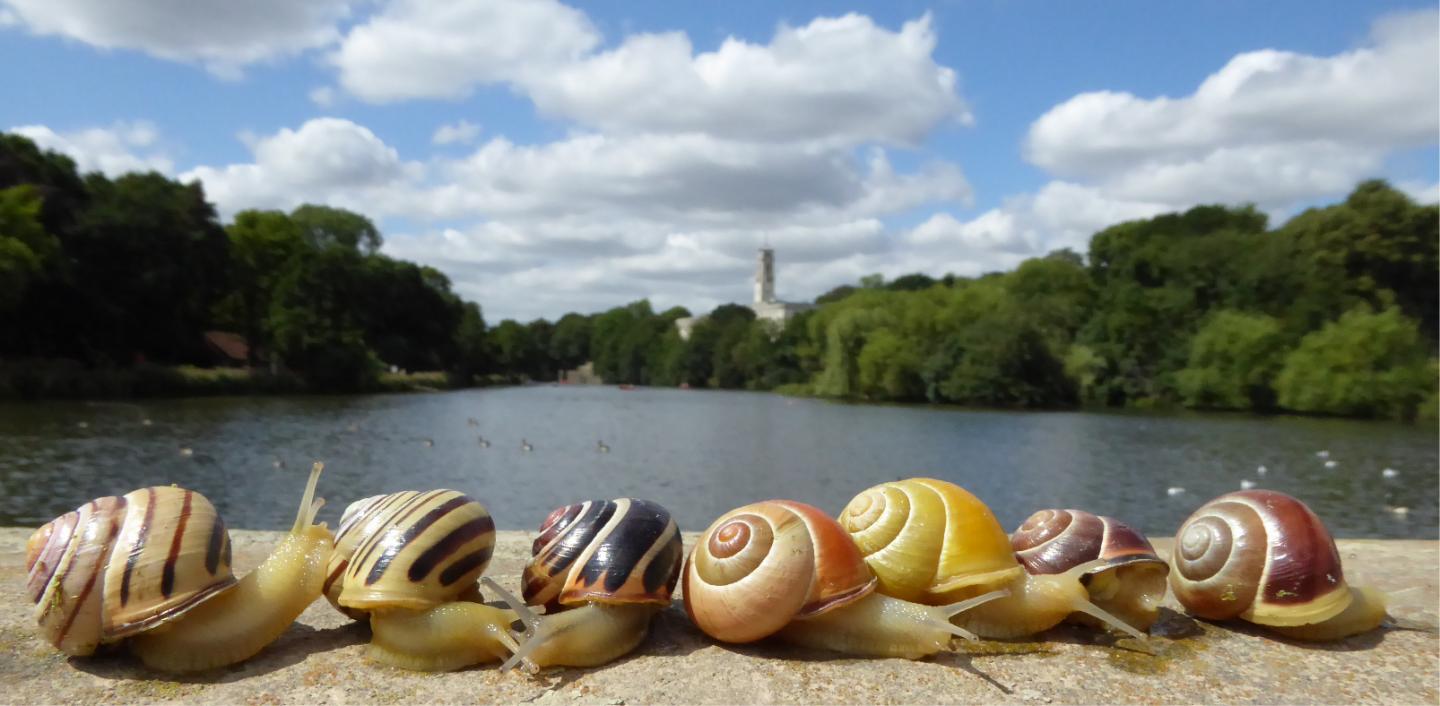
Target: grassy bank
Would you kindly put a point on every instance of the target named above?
(68, 380)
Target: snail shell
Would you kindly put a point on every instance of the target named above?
(1259, 555)
(1131, 582)
(761, 566)
(926, 539)
(608, 551)
(408, 550)
(120, 565)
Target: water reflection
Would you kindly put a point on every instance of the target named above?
(700, 454)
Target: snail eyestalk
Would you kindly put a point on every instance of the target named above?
(244, 618)
(881, 626)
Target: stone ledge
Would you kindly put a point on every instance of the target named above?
(321, 659)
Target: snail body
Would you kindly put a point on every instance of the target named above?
(787, 569)
(600, 569)
(408, 562)
(932, 542)
(1262, 556)
(153, 567)
(1129, 584)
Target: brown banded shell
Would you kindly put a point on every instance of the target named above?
(761, 566)
(1131, 583)
(1259, 555)
(409, 550)
(604, 551)
(117, 566)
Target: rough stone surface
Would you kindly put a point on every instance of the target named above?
(321, 659)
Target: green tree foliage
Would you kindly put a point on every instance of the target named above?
(1234, 358)
(26, 250)
(1364, 364)
(316, 324)
(327, 227)
(570, 342)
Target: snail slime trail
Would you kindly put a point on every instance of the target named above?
(787, 569)
(243, 619)
(932, 542)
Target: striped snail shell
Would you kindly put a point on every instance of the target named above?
(611, 551)
(408, 550)
(602, 569)
(1264, 557)
(760, 567)
(1130, 582)
(120, 565)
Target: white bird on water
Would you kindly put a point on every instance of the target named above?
(1322, 453)
(1389, 473)
(1331, 464)
(484, 442)
(187, 451)
(1247, 484)
(1261, 471)
(525, 446)
(601, 447)
(146, 422)
(1400, 510)
(1173, 491)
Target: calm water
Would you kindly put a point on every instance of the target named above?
(698, 453)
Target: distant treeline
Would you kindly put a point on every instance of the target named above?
(100, 278)
(1334, 312)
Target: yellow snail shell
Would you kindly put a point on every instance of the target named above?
(117, 566)
(932, 542)
(601, 569)
(1264, 557)
(1130, 582)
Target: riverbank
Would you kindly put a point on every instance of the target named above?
(321, 659)
(68, 380)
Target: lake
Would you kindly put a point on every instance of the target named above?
(699, 453)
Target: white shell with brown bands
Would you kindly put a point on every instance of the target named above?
(119, 565)
(409, 550)
(624, 551)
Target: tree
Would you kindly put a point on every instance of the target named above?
(264, 246)
(471, 345)
(26, 250)
(570, 342)
(327, 227)
(315, 323)
(513, 348)
(1364, 364)
(1234, 357)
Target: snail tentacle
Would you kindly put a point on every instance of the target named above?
(447, 637)
(243, 619)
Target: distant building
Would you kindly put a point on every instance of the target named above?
(765, 306)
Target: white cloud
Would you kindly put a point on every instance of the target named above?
(1269, 127)
(326, 160)
(323, 96)
(421, 49)
(120, 148)
(843, 79)
(461, 132)
(223, 35)
(1420, 191)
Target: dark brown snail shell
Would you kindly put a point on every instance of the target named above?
(624, 551)
(1129, 581)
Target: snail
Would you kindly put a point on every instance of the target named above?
(601, 569)
(1264, 557)
(932, 542)
(1130, 584)
(408, 563)
(153, 567)
(787, 569)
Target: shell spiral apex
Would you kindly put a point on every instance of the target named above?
(759, 567)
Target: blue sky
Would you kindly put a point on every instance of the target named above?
(602, 153)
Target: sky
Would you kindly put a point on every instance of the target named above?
(553, 158)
